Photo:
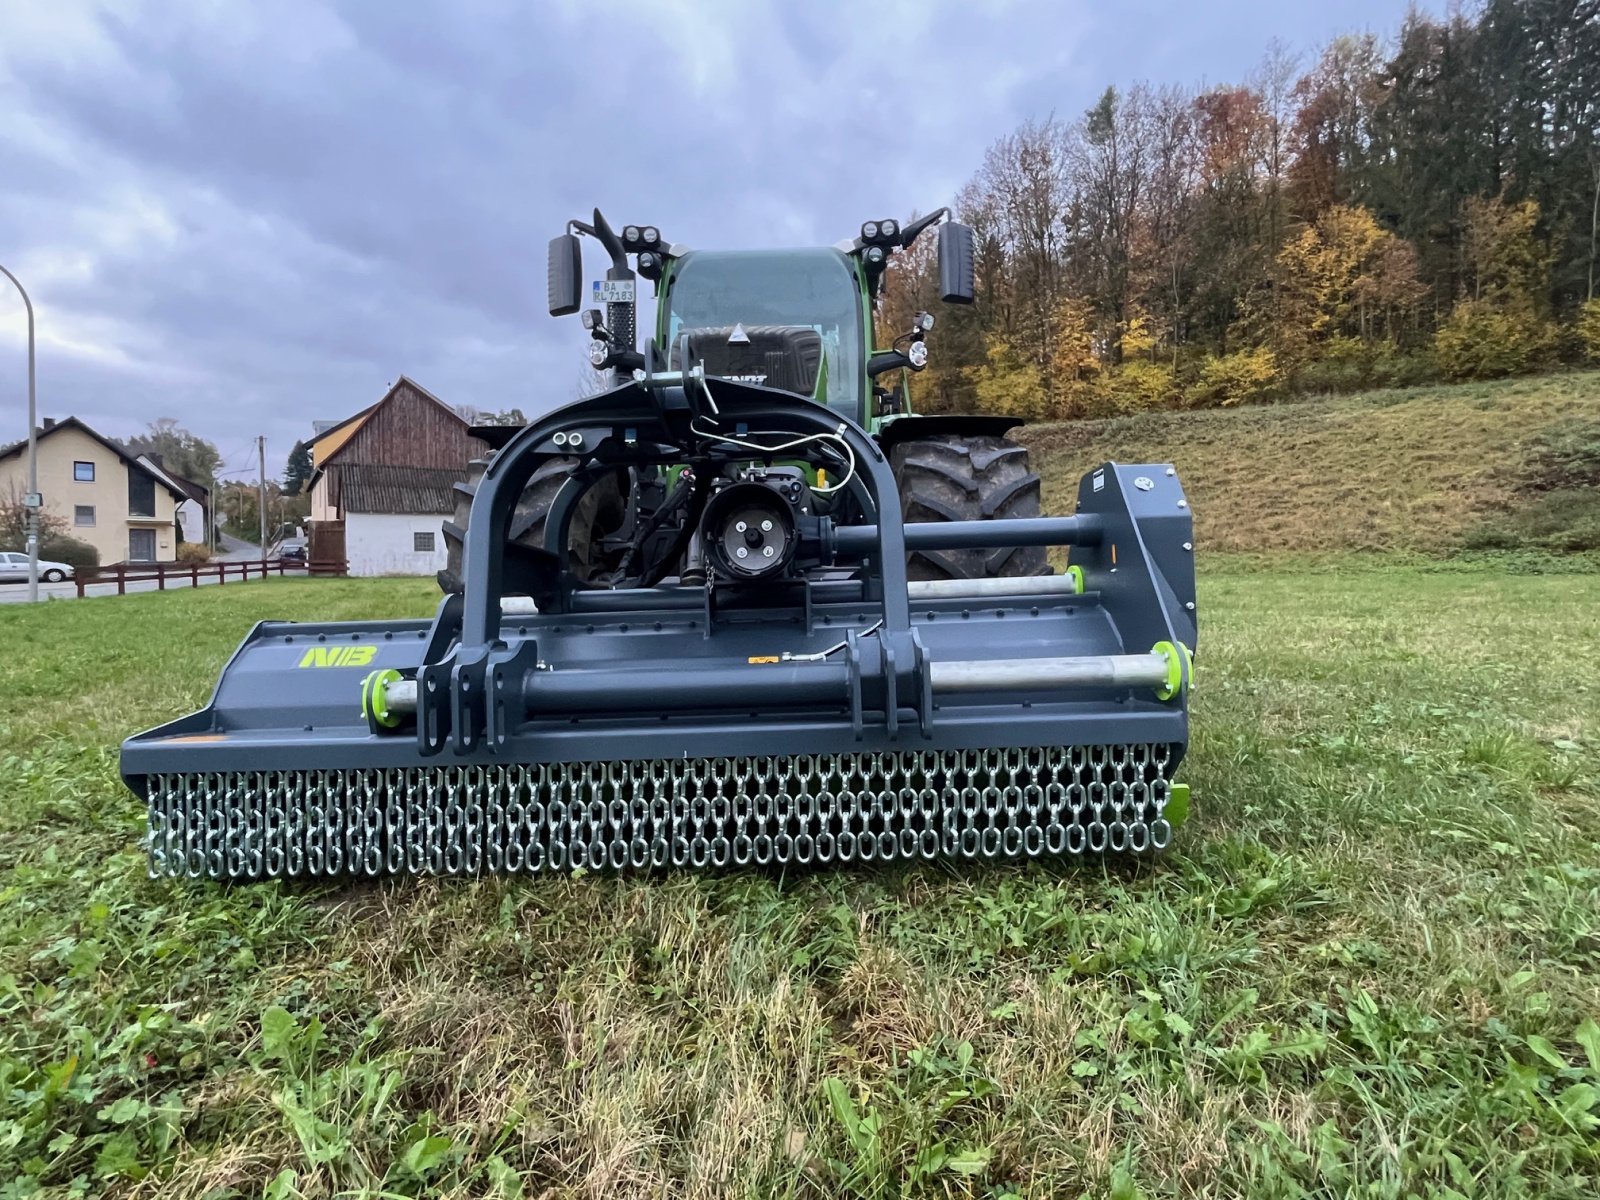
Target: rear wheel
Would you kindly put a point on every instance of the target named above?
(602, 510)
(947, 477)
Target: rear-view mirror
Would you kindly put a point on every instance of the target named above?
(956, 272)
(566, 275)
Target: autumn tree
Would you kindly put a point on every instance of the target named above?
(14, 521)
(1332, 130)
(1507, 261)
(181, 452)
(1443, 188)
(1343, 275)
(1230, 253)
(1018, 203)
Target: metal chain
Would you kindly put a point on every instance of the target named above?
(801, 809)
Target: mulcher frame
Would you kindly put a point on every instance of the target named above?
(698, 673)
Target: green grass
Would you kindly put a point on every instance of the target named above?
(1370, 965)
(1423, 470)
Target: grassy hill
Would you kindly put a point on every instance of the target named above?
(1475, 466)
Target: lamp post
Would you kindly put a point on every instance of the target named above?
(33, 452)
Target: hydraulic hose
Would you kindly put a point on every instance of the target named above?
(697, 506)
(670, 505)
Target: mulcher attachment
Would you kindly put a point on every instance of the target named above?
(830, 713)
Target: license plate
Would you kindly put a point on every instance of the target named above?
(613, 291)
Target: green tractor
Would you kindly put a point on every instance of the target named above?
(799, 320)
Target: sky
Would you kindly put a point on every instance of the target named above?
(251, 216)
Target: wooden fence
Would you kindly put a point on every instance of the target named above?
(193, 574)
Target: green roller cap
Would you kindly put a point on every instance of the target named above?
(375, 697)
(1179, 666)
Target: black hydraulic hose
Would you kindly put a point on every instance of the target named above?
(670, 505)
(697, 507)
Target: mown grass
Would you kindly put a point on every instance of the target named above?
(1420, 470)
(1370, 965)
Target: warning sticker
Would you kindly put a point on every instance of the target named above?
(1099, 482)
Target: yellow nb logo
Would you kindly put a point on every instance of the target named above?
(338, 656)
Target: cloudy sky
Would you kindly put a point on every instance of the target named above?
(252, 215)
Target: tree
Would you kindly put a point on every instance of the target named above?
(1333, 128)
(1009, 385)
(1430, 144)
(239, 508)
(1342, 276)
(1274, 83)
(297, 471)
(1350, 213)
(14, 522)
(181, 452)
(1165, 229)
(1507, 261)
(1589, 329)
(1230, 251)
(1109, 173)
(1018, 203)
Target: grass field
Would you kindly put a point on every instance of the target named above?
(1370, 965)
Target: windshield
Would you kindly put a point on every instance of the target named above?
(813, 289)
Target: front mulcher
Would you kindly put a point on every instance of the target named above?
(821, 710)
(740, 669)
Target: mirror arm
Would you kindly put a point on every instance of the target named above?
(602, 232)
(886, 360)
(909, 233)
(609, 239)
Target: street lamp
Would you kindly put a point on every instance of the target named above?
(33, 453)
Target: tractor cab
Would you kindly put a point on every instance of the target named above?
(789, 319)
(794, 320)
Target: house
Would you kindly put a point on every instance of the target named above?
(106, 497)
(195, 511)
(382, 482)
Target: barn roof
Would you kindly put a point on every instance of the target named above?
(366, 488)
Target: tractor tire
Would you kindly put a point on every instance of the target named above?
(600, 510)
(948, 477)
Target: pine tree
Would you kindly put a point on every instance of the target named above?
(297, 471)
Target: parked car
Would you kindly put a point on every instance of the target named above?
(294, 548)
(14, 569)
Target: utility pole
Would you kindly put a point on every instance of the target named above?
(33, 453)
(261, 458)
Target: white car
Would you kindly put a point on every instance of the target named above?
(14, 569)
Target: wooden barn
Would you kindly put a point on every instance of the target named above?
(381, 483)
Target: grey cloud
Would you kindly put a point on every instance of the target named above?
(252, 217)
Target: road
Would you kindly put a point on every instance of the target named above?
(230, 549)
